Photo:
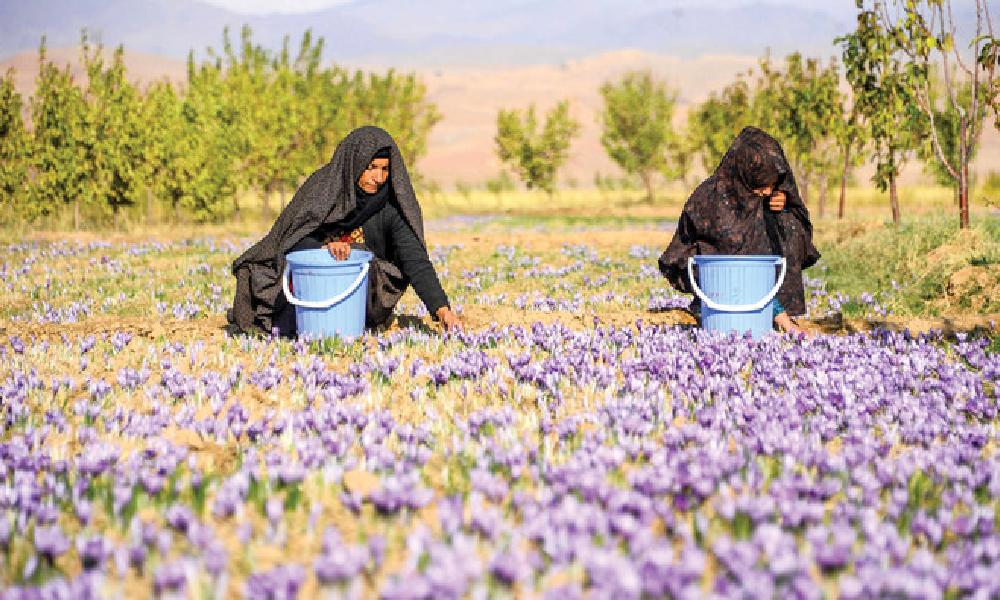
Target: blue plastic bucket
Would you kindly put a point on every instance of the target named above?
(329, 295)
(737, 292)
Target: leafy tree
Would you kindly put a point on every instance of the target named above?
(638, 132)
(925, 33)
(883, 98)
(989, 60)
(715, 123)
(535, 155)
(681, 150)
(851, 142)
(801, 105)
(185, 155)
(947, 123)
(397, 103)
(265, 107)
(115, 152)
(503, 182)
(212, 134)
(61, 141)
(15, 150)
(165, 146)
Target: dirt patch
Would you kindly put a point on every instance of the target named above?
(949, 325)
(973, 288)
(209, 328)
(476, 318)
(481, 317)
(542, 241)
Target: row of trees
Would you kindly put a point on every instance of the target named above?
(250, 119)
(915, 92)
(245, 119)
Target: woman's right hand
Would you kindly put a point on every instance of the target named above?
(777, 201)
(339, 250)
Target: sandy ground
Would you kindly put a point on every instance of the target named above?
(212, 329)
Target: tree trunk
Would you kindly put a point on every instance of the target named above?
(149, 206)
(649, 184)
(893, 199)
(76, 215)
(843, 182)
(804, 189)
(963, 174)
(963, 196)
(823, 185)
(236, 203)
(265, 208)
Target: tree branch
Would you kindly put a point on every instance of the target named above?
(954, 38)
(949, 86)
(923, 98)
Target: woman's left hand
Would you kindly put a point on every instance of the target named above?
(449, 319)
(777, 202)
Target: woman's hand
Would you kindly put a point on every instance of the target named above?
(777, 202)
(448, 318)
(339, 250)
(787, 325)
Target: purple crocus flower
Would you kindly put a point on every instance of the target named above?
(50, 541)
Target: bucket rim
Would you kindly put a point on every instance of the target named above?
(710, 258)
(320, 257)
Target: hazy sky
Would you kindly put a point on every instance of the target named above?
(304, 6)
(256, 7)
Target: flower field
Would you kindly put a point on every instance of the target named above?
(579, 439)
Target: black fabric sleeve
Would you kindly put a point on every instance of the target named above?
(414, 262)
(673, 261)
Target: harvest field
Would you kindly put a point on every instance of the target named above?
(579, 438)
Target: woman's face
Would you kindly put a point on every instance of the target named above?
(375, 175)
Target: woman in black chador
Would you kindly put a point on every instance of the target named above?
(750, 205)
(361, 199)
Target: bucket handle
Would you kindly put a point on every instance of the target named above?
(737, 307)
(322, 303)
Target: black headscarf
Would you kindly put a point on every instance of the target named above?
(326, 200)
(725, 216)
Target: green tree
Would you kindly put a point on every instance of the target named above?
(205, 172)
(60, 139)
(188, 168)
(715, 123)
(161, 114)
(883, 98)
(265, 106)
(535, 156)
(851, 142)
(115, 149)
(638, 132)
(947, 123)
(801, 105)
(925, 33)
(397, 103)
(989, 60)
(15, 150)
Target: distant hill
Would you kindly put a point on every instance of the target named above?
(429, 32)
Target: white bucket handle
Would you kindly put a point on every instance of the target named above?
(736, 307)
(322, 303)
